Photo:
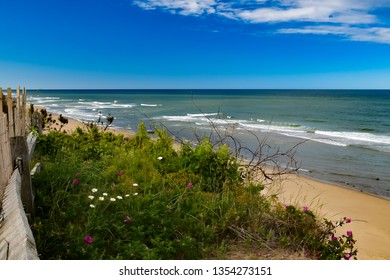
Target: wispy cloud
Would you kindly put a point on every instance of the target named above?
(371, 34)
(345, 11)
(184, 7)
(355, 20)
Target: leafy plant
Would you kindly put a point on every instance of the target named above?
(106, 196)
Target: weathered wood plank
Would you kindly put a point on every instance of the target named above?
(3, 250)
(36, 169)
(16, 230)
(1, 101)
(31, 144)
(18, 114)
(5, 152)
(11, 124)
(19, 150)
(24, 108)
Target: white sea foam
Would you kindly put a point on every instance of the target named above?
(80, 114)
(334, 138)
(202, 115)
(42, 100)
(150, 105)
(200, 118)
(270, 127)
(309, 136)
(103, 105)
(356, 137)
(177, 118)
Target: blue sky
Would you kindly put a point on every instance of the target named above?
(195, 44)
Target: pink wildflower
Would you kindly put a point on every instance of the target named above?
(127, 219)
(348, 220)
(347, 256)
(126, 138)
(88, 239)
(190, 185)
(75, 182)
(305, 208)
(334, 238)
(120, 173)
(349, 233)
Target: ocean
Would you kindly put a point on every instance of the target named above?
(343, 136)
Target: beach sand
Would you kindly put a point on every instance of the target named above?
(370, 214)
(73, 124)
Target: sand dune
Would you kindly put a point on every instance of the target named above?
(370, 214)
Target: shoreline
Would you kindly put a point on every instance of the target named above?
(370, 213)
(344, 186)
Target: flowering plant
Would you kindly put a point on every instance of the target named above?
(141, 199)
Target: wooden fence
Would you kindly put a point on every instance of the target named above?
(12, 124)
(16, 195)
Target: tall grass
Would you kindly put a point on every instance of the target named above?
(106, 196)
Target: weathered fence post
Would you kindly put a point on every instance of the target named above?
(20, 155)
(11, 126)
(1, 101)
(24, 108)
(5, 152)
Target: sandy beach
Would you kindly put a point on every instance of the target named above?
(370, 214)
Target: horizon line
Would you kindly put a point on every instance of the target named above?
(216, 89)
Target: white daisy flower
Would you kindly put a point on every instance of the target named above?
(92, 206)
(127, 195)
(105, 194)
(94, 190)
(135, 193)
(91, 197)
(112, 199)
(101, 198)
(119, 197)
(135, 185)
(160, 158)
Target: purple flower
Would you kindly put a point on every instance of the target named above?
(126, 138)
(190, 185)
(334, 238)
(347, 256)
(127, 219)
(88, 239)
(120, 173)
(305, 208)
(348, 220)
(349, 233)
(75, 182)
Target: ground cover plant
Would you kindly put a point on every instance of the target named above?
(106, 196)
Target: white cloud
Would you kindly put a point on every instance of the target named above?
(184, 7)
(342, 11)
(353, 19)
(370, 34)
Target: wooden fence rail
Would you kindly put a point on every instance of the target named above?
(16, 195)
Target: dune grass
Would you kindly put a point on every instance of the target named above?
(106, 196)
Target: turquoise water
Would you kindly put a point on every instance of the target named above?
(344, 135)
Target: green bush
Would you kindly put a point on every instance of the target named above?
(106, 196)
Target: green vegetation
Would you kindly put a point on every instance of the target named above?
(106, 196)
